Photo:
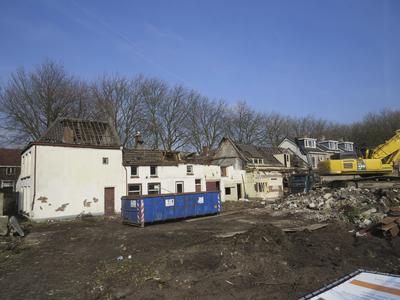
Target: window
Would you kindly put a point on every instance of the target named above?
(223, 171)
(10, 171)
(134, 171)
(179, 187)
(189, 170)
(333, 145)
(134, 189)
(227, 191)
(153, 171)
(5, 184)
(154, 188)
(258, 161)
(105, 160)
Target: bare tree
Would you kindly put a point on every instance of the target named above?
(173, 114)
(154, 94)
(31, 101)
(275, 128)
(244, 124)
(207, 121)
(120, 99)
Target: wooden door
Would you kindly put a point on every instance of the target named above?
(109, 201)
(211, 186)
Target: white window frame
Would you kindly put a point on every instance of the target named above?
(189, 169)
(136, 168)
(10, 170)
(155, 171)
(150, 191)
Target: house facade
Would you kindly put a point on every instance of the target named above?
(152, 171)
(73, 168)
(10, 168)
(245, 171)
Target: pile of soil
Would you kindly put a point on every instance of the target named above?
(229, 256)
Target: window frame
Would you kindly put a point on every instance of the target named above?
(135, 184)
(136, 168)
(189, 169)
(155, 171)
(105, 161)
(10, 170)
(176, 187)
(154, 183)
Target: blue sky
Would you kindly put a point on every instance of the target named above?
(335, 59)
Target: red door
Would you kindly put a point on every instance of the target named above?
(211, 186)
(109, 201)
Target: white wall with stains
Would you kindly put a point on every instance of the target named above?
(61, 182)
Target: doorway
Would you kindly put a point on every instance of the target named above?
(109, 201)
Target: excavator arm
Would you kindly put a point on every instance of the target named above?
(389, 151)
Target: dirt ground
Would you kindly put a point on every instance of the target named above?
(242, 253)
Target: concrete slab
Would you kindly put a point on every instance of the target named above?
(3, 225)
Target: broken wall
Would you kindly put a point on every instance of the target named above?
(264, 185)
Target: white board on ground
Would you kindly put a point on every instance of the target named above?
(364, 286)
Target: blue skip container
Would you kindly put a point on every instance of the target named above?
(140, 209)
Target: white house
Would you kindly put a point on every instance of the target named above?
(75, 167)
(152, 171)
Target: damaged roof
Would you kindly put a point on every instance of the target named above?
(10, 157)
(249, 151)
(268, 157)
(81, 132)
(142, 156)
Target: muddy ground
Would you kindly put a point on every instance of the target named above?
(199, 258)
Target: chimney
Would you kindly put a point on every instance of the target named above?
(303, 136)
(205, 150)
(68, 135)
(138, 141)
(321, 138)
(341, 140)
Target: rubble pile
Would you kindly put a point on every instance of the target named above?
(360, 206)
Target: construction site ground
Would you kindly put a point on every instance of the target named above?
(241, 253)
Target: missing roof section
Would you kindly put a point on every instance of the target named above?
(81, 132)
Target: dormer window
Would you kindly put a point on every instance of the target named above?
(309, 143)
(258, 161)
(333, 145)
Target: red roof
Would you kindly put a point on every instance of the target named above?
(10, 157)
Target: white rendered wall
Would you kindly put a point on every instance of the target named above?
(71, 180)
(168, 176)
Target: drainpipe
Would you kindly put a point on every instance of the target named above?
(126, 182)
(34, 184)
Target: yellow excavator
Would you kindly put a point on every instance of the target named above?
(370, 170)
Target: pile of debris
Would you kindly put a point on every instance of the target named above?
(360, 206)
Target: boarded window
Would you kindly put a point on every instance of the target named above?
(154, 188)
(134, 189)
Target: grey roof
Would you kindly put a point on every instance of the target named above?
(268, 157)
(249, 151)
(81, 132)
(274, 150)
